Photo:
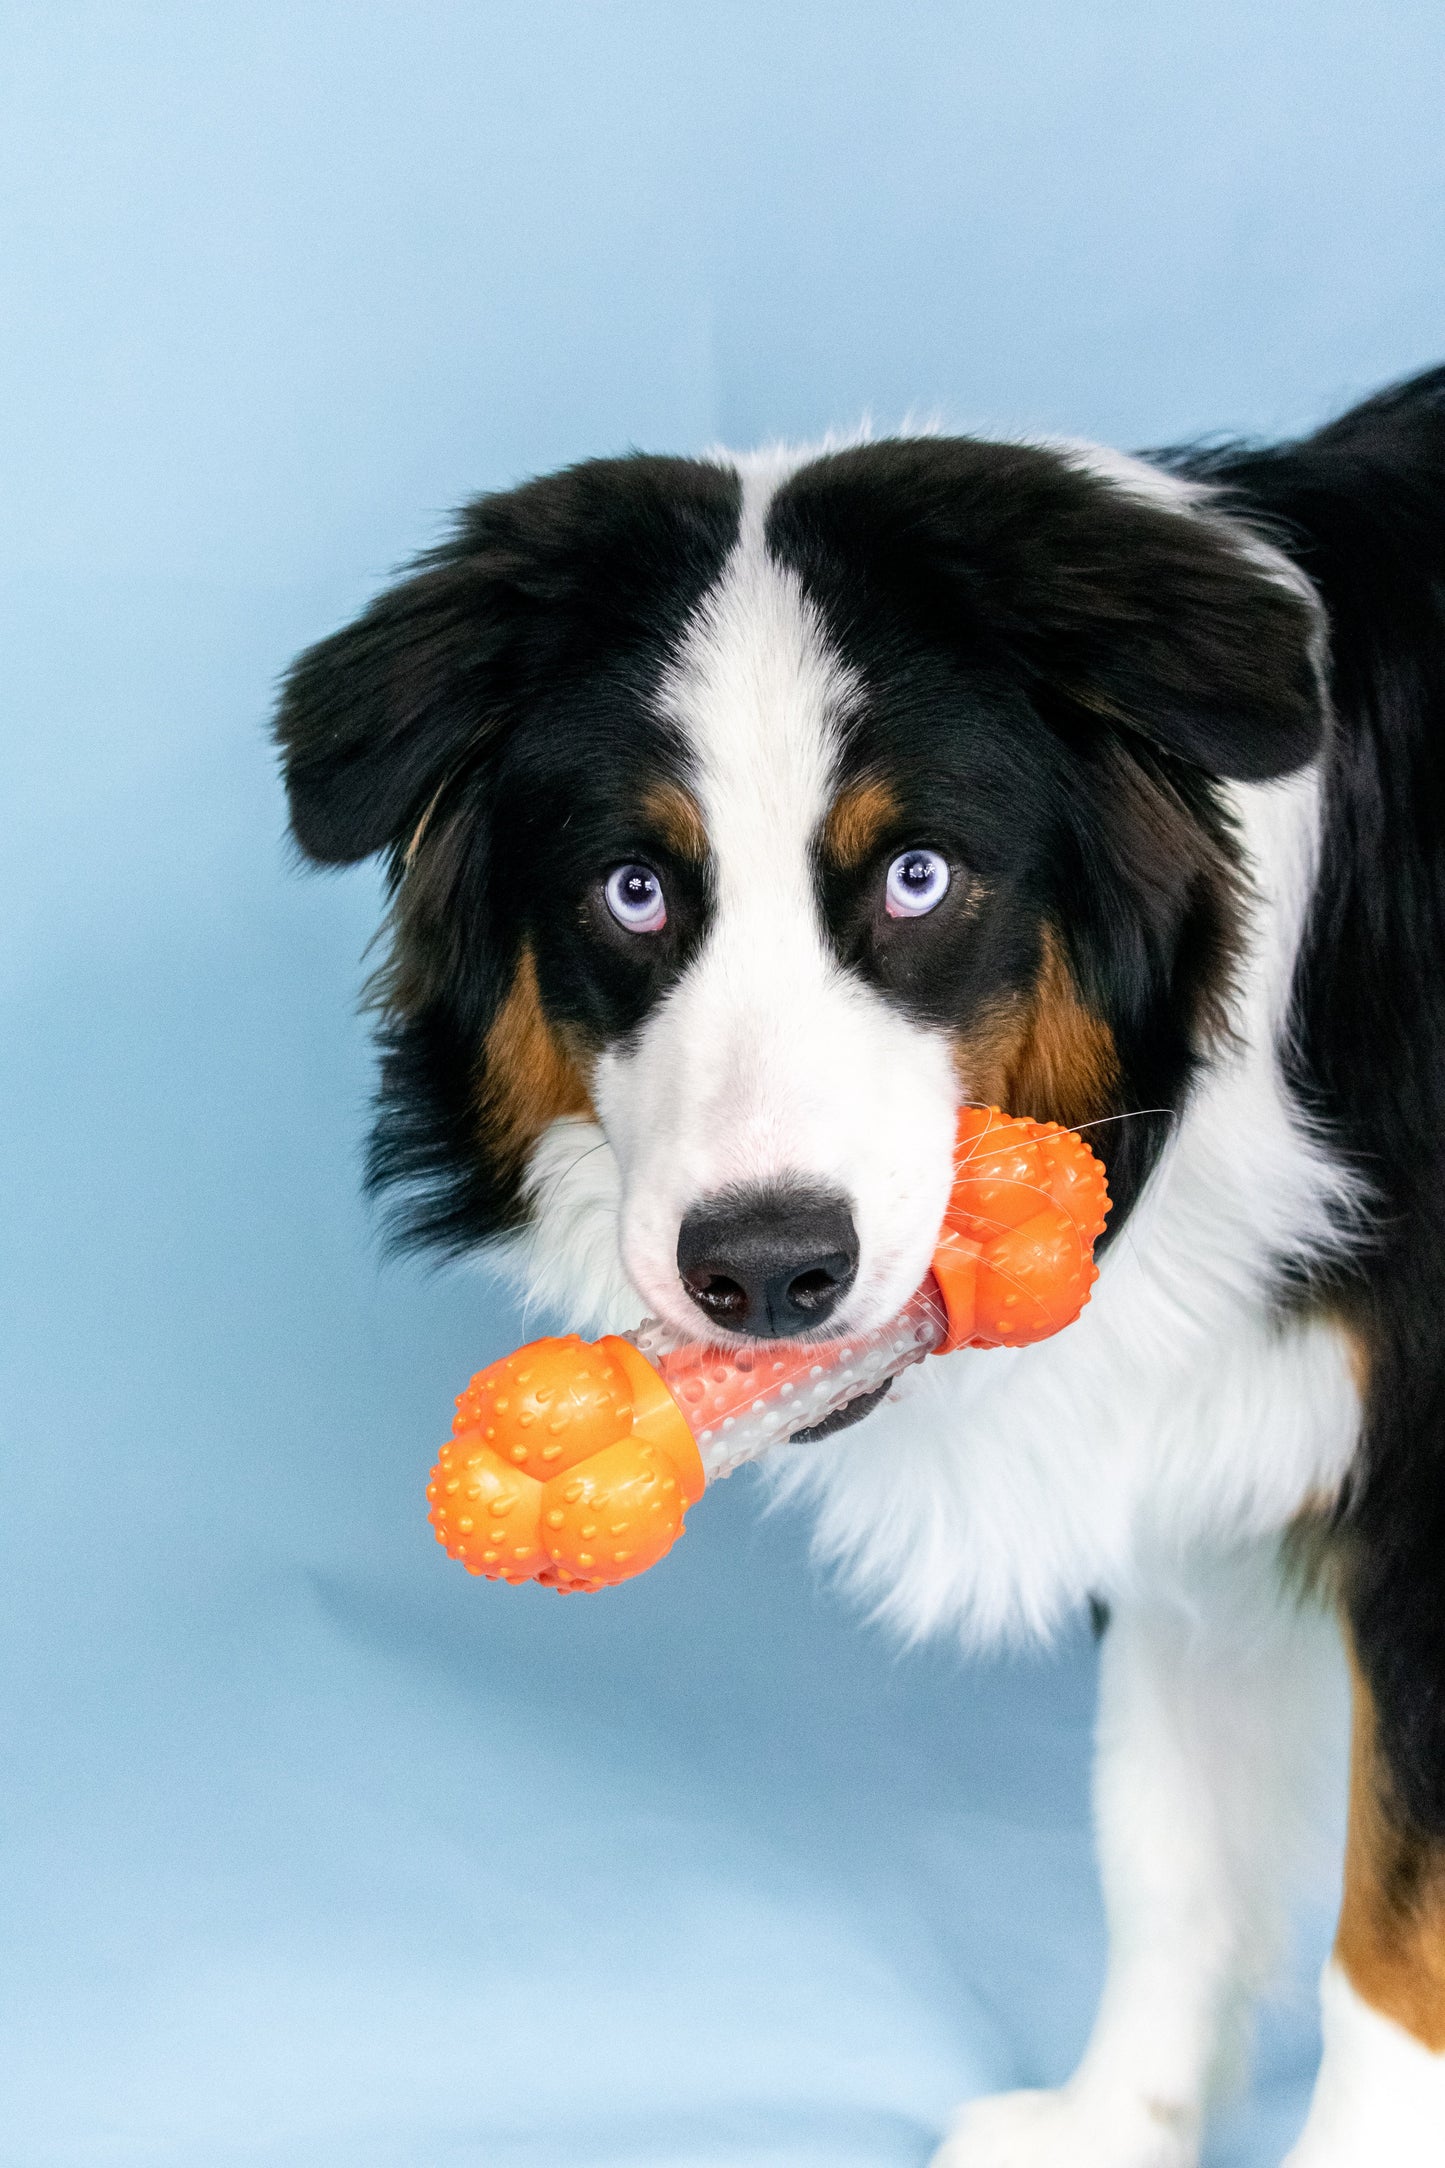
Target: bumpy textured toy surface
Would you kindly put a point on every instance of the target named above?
(1015, 1257)
(572, 1463)
(568, 1464)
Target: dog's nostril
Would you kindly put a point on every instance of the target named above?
(716, 1293)
(812, 1290)
(773, 1262)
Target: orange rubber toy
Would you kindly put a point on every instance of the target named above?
(573, 1462)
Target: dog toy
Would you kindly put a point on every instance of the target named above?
(573, 1462)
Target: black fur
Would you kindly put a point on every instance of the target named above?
(495, 711)
(1362, 507)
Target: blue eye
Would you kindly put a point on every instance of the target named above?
(917, 881)
(635, 899)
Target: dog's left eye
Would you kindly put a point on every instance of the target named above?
(917, 882)
(635, 899)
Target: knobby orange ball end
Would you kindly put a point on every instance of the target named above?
(1015, 1257)
(569, 1464)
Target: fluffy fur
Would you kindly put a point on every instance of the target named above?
(1175, 727)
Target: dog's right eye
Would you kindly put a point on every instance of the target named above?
(635, 899)
(917, 883)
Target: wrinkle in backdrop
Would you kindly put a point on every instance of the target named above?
(312, 1850)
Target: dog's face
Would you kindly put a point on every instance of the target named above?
(762, 812)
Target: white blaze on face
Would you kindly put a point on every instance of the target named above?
(768, 1062)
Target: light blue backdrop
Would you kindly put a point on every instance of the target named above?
(315, 1852)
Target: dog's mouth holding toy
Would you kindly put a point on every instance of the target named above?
(572, 1463)
(851, 1412)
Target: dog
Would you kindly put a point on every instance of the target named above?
(746, 815)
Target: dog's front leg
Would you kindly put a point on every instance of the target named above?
(1212, 1704)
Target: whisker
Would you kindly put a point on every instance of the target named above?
(544, 1196)
(1134, 1114)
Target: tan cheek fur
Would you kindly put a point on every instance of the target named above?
(1046, 1055)
(529, 1076)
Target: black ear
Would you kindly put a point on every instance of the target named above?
(1129, 595)
(1182, 627)
(375, 720)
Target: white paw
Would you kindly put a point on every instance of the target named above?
(1068, 2129)
(1380, 2099)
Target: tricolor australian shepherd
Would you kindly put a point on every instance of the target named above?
(744, 815)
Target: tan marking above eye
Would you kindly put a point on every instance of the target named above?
(858, 819)
(674, 813)
(1391, 1939)
(1044, 1053)
(528, 1077)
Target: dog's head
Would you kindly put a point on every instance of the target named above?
(761, 811)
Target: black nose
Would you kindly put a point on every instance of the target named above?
(773, 1262)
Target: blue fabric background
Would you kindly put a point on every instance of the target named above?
(314, 1851)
